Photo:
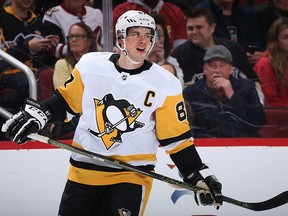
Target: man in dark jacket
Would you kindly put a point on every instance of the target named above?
(222, 105)
(200, 27)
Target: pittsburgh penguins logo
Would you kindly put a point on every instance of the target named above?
(115, 117)
(124, 212)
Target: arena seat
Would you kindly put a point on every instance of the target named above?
(45, 85)
(276, 122)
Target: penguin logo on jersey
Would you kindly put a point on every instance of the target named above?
(124, 212)
(115, 117)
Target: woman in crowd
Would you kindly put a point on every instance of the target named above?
(81, 40)
(272, 67)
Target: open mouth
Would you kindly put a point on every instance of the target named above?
(141, 49)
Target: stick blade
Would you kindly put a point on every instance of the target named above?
(274, 202)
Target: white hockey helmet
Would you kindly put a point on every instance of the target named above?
(134, 18)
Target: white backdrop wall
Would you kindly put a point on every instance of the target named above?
(32, 181)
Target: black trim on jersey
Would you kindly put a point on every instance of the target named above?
(146, 66)
(187, 160)
(89, 166)
(58, 106)
(175, 139)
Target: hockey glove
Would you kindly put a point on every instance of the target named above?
(209, 188)
(27, 121)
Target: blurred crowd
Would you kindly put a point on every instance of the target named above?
(231, 57)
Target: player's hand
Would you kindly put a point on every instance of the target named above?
(27, 121)
(209, 188)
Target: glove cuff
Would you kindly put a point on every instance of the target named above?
(39, 112)
(195, 176)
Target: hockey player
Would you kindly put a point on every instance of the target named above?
(128, 106)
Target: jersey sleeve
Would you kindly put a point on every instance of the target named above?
(72, 91)
(172, 126)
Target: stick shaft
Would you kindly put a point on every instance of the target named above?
(111, 161)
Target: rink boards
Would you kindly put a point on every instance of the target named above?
(252, 170)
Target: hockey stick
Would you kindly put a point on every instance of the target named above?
(274, 202)
(112, 127)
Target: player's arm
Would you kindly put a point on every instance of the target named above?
(198, 174)
(174, 136)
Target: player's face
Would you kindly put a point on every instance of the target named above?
(283, 41)
(217, 68)
(138, 43)
(199, 31)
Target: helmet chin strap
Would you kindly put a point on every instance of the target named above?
(134, 62)
(126, 52)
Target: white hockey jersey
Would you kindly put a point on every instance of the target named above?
(124, 116)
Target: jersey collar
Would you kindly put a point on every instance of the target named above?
(145, 66)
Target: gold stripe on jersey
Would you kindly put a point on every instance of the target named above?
(180, 147)
(95, 177)
(145, 200)
(177, 123)
(128, 158)
(73, 91)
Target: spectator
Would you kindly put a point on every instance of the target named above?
(59, 19)
(160, 54)
(222, 105)
(80, 41)
(24, 37)
(172, 14)
(272, 67)
(236, 23)
(267, 13)
(200, 27)
(126, 119)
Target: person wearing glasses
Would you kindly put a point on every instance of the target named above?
(223, 105)
(129, 107)
(81, 40)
